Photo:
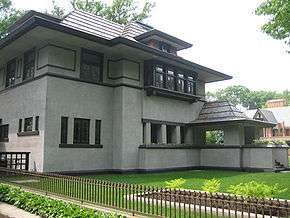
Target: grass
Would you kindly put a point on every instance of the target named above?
(196, 178)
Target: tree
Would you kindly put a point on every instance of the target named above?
(120, 11)
(8, 15)
(241, 95)
(278, 25)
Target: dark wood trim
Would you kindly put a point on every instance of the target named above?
(4, 140)
(167, 146)
(125, 77)
(56, 66)
(80, 146)
(145, 120)
(28, 133)
(152, 90)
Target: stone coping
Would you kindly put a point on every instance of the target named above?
(188, 146)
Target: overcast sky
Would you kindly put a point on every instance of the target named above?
(225, 35)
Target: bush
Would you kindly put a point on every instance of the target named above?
(175, 183)
(255, 189)
(269, 142)
(212, 185)
(46, 207)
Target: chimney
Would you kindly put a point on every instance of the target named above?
(276, 103)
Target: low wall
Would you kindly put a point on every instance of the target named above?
(167, 158)
(230, 157)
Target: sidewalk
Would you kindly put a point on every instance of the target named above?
(10, 211)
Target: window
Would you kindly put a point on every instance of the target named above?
(158, 76)
(10, 74)
(98, 132)
(180, 82)
(20, 125)
(63, 130)
(28, 123)
(36, 123)
(182, 134)
(91, 66)
(170, 134)
(29, 64)
(4, 129)
(165, 47)
(155, 133)
(170, 80)
(215, 137)
(190, 85)
(81, 131)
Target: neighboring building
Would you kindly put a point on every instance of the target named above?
(86, 94)
(278, 112)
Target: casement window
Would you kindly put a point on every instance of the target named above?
(81, 131)
(28, 124)
(98, 132)
(164, 47)
(158, 76)
(63, 130)
(36, 123)
(10, 73)
(29, 64)
(4, 130)
(91, 66)
(182, 134)
(20, 125)
(170, 80)
(180, 82)
(156, 133)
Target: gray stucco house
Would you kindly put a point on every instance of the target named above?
(85, 94)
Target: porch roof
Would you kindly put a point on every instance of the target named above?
(223, 112)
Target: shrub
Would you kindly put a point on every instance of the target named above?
(255, 189)
(269, 142)
(175, 183)
(46, 207)
(212, 185)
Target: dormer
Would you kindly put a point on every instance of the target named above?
(162, 41)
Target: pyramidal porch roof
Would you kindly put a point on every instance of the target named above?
(221, 112)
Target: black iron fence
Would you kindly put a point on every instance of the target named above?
(152, 201)
(14, 160)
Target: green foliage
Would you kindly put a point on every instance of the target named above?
(269, 142)
(8, 15)
(56, 11)
(241, 95)
(214, 137)
(278, 26)
(212, 185)
(175, 183)
(256, 189)
(46, 207)
(120, 11)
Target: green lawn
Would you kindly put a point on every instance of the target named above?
(196, 178)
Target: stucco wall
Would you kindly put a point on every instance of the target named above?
(77, 100)
(168, 158)
(28, 100)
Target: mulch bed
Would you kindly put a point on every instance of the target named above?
(280, 208)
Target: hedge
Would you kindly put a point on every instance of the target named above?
(46, 207)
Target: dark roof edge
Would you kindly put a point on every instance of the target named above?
(30, 14)
(40, 19)
(165, 36)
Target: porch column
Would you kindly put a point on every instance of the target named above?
(189, 135)
(177, 135)
(163, 134)
(147, 133)
(92, 132)
(70, 130)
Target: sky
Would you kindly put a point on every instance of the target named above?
(225, 34)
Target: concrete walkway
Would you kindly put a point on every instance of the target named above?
(10, 211)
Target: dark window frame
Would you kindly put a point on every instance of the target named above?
(98, 127)
(63, 130)
(150, 80)
(29, 65)
(81, 135)
(4, 132)
(20, 122)
(28, 119)
(36, 123)
(83, 61)
(10, 74)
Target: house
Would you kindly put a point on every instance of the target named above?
(84, 94)
(278, 112)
